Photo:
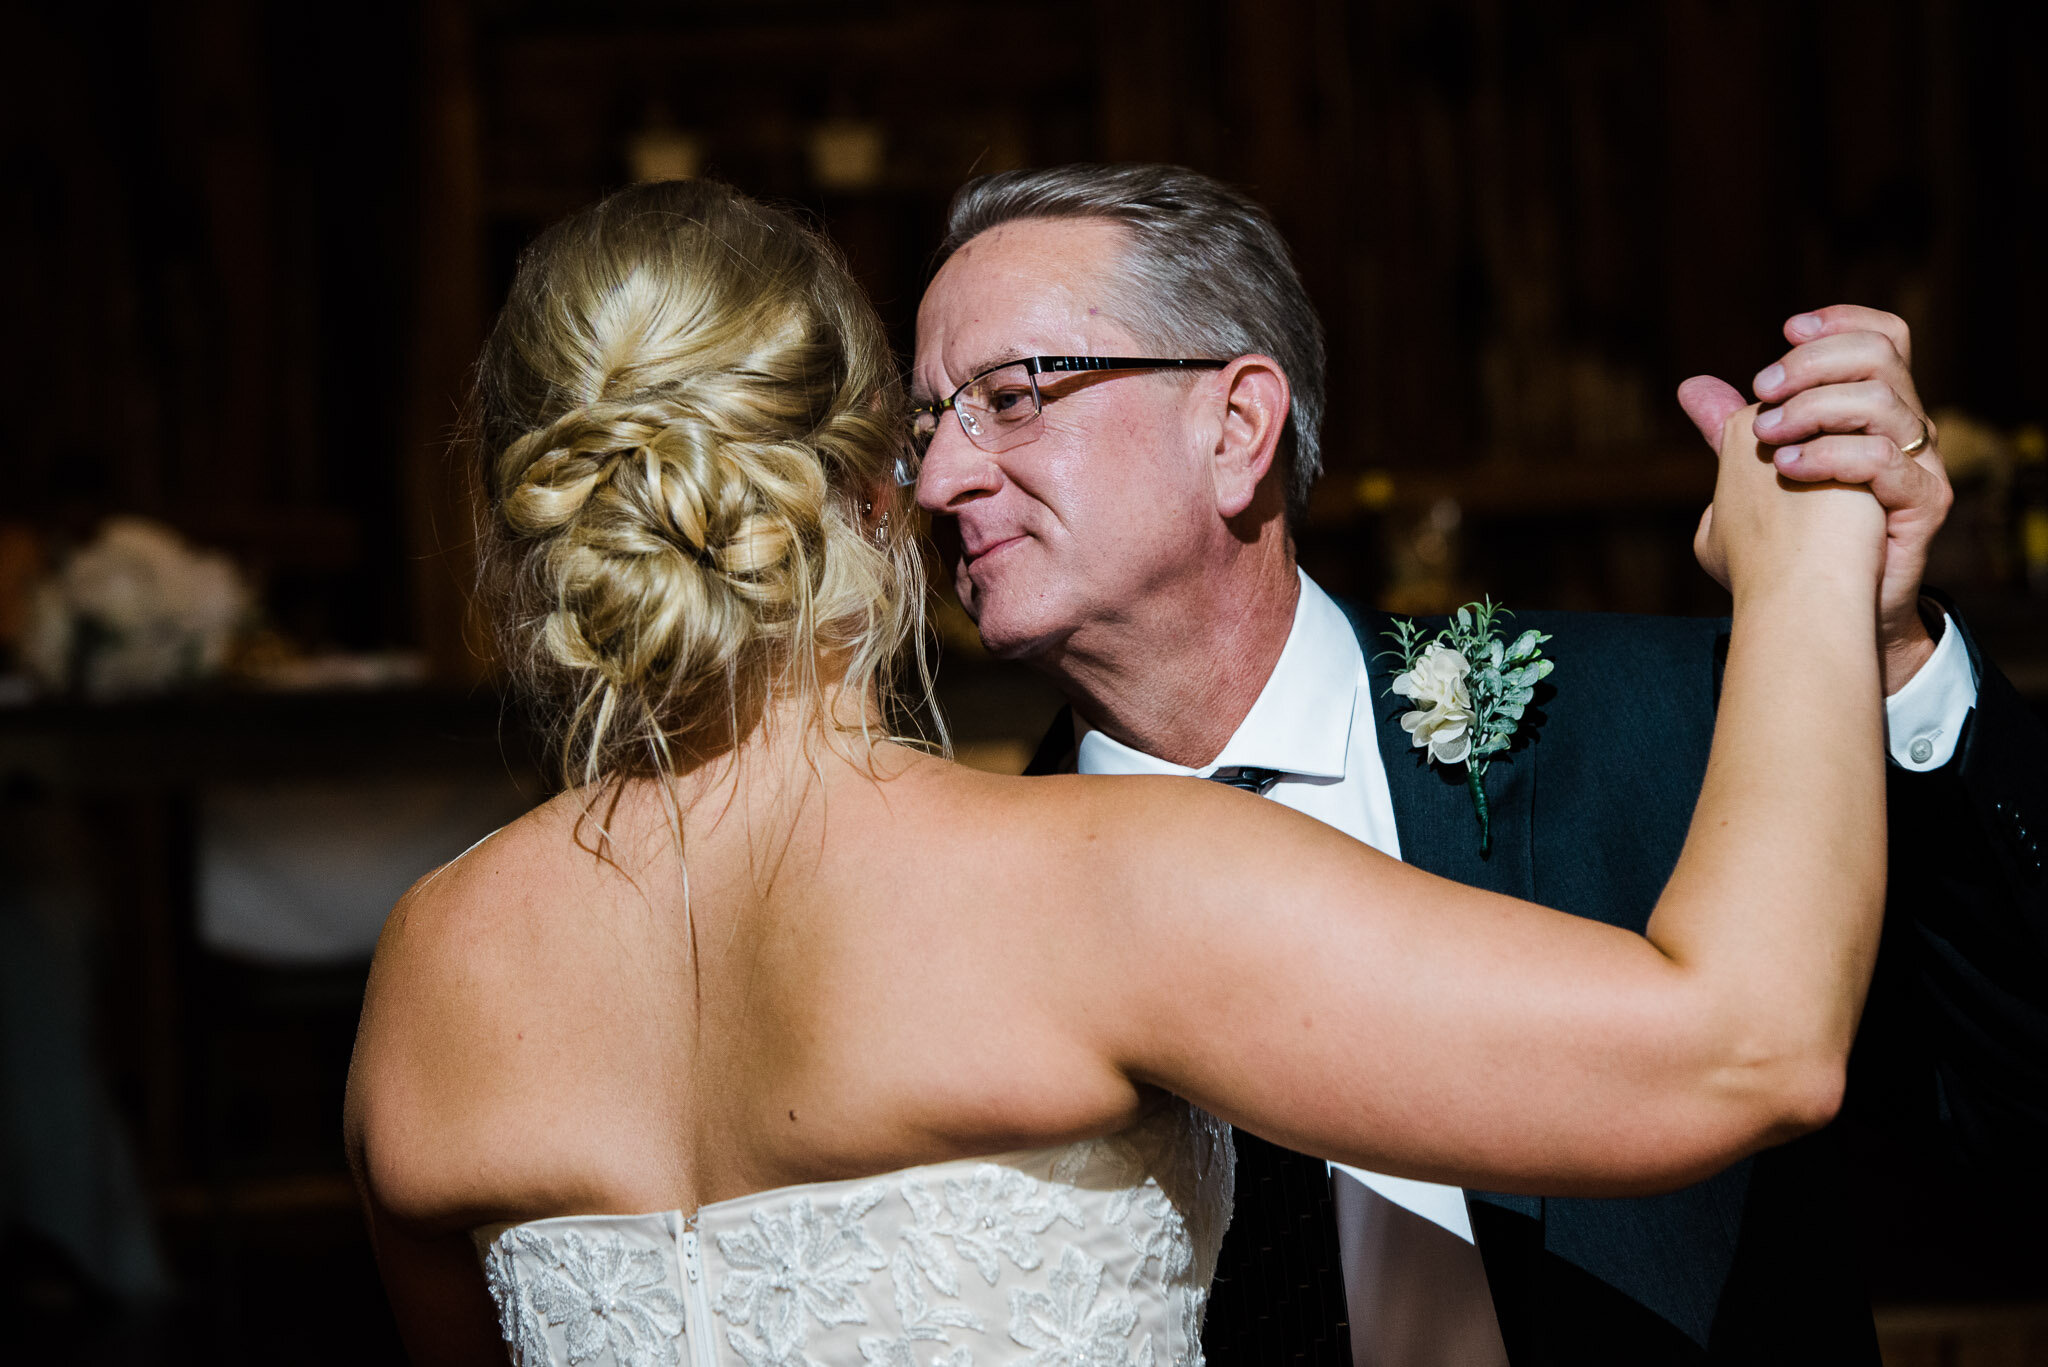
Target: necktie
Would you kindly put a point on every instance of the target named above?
(1278, 1299)
(1246, 777)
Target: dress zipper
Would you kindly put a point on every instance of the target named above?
(702, 1353)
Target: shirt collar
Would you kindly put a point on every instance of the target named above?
(1301, 723)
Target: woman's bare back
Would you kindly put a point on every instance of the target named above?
(835, 978)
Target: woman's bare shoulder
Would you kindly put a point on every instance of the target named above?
(480, 991)
(521, 895)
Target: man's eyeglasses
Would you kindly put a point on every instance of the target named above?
(1000, 408)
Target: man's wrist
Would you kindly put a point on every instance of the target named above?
(1908, 648)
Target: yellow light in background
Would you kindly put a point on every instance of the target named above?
(1374, 490)
(846, 154)
(2031, 485)
(661, 151)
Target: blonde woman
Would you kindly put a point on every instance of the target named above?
(773, 1039)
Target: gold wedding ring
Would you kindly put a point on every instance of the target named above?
(1918, 444)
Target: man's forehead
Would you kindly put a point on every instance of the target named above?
(1022, 288)
(1081, 242)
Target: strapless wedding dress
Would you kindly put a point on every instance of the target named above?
(1096, 1254)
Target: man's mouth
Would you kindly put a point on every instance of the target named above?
(973, 554)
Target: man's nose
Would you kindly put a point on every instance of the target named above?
(955, 471)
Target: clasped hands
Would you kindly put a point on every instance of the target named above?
(1841, 407)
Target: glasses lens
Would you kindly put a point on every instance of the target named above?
(1000, 409)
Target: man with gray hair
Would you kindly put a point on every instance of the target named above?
(1121, 392)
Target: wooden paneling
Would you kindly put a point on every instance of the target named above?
(264, 253)
(449, 274)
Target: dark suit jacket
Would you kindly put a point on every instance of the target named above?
(1589, 812)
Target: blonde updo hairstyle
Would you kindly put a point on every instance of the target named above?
(689, 423)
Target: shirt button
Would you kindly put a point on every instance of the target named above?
(1921, 750)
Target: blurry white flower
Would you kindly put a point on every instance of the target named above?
(137, 610)
(1444, 721)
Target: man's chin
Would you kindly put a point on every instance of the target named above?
(1008, 635)
(1006, 643)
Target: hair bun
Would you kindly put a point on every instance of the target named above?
(686, 398)
(646, 477)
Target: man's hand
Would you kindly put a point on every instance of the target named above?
(1840, 405)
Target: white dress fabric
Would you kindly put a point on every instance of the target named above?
(1096, 1254)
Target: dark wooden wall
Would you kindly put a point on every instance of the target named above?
(205, 207)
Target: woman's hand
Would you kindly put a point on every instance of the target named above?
(1841, 405)
(1766, 531)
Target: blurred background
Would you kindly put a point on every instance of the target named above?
(255, 246)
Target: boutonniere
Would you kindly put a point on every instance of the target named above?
(1471, 690)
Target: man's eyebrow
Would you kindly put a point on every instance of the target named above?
(919, 395)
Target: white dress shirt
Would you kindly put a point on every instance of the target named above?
(1314, 722)
(1924, 719)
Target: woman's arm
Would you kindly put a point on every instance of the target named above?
(434, 1284)
(1339, 1002)
(437, 1295)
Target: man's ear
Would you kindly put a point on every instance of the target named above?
(1255, 398)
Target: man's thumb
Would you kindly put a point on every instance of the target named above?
(1709, 403)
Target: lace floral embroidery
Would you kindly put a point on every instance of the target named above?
(598, 1292)
(786, 1271)
(1178, 1171)
(518, 1322)
(796, 1262)
(1129, 1171)
(921, 1321)
(1167, 1241)
(881, 1352)
(1193, 1301)
(995, 1213)
(1065, 1325)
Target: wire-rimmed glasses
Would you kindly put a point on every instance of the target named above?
(1000, 407)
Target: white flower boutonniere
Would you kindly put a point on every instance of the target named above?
(1470, 691)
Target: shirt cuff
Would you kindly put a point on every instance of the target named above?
(1924, 719)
